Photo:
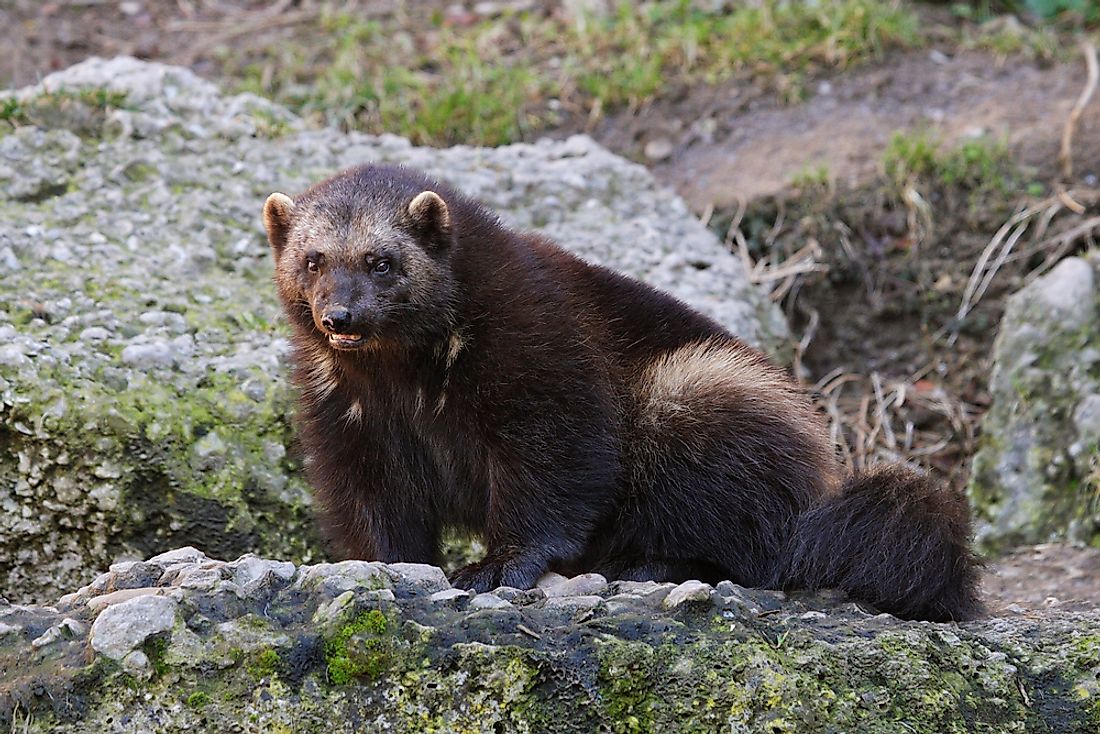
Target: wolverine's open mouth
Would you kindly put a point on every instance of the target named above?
(345, 341)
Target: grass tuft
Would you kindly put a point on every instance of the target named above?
(978, 164)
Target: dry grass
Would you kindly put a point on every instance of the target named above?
(875, 419)
(920, 417)
(1038, 218)
(1065, 155)
(21, 722)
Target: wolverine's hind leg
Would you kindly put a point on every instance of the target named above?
(725, 453)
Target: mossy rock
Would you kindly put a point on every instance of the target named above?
(1036, 476)
(248, 650)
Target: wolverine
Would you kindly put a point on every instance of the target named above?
(457, 374)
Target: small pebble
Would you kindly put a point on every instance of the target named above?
(687, 593)
(489, 601)
(589, 583)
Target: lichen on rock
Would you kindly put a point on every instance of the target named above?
(365, 646)
(1036, 476)
(143, 394)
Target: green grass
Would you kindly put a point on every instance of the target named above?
(909, 156)
(500, 79)
(812, 177)
(1006, 37)
(1072, 11)
(978, 164)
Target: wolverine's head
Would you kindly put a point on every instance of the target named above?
(363, 258)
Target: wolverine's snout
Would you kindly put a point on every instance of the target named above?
(343, 328)
(344, 309)
(336, 319)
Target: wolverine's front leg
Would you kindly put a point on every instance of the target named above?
(374, 494)
(543, 506)
(517, 567)
(375, 528)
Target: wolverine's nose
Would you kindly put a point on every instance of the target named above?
(336, 319)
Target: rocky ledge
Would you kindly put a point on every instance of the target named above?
(182, 642)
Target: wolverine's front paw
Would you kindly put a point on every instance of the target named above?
(479, 577)
(489, 574)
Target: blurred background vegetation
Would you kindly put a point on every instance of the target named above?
(490, 73)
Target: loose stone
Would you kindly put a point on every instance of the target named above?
(585, 584)
(449, 595)
(573, 603)
(489, 601)
(686, 593)
(124, 626)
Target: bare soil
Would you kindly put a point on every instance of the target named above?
(1045, 577)
(756, 149)
(732, 151)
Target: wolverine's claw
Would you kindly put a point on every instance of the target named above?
(477, 577)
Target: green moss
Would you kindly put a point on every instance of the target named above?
(367, 656)
(1043, 393)
(626, 690)
(185, 459)
(1085, 651)
(239, 430)
(156, 649)
(873, 678)
(265, 664)
(139, 171)
(500, 688)
(268, 124)
(84, 111)
(198, 699)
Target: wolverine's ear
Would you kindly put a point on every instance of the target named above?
(277, 211)
(429, 212)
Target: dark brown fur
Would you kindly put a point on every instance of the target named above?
(577, 419)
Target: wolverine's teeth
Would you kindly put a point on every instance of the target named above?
(348, 337)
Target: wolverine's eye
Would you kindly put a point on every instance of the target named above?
(313, 262)
(381, 267)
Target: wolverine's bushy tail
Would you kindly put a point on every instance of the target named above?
(891, 538)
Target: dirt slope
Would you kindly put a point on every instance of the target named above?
(757, 145)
